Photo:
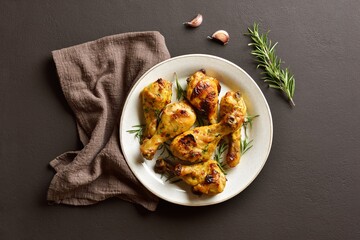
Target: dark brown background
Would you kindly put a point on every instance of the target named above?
(309, 187)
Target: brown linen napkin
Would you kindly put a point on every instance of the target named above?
(95, 78)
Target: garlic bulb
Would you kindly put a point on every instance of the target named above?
(195, 22)
(221, 36)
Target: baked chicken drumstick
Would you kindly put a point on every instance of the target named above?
(176, 118)
(230, 102)
(154, 98)
(204, 178)
(200, 143)
(202, 92)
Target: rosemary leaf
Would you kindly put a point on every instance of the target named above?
(138, 131)
(248, 121)
(221, 148)
(275, 76)
(180, 92)
(245, 146)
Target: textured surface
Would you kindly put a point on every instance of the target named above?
(95, 78)
(308, 189)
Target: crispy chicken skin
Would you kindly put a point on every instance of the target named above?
(204, 178)
(199, 144)
(202, 92)
(176, 118)
(233, 100)
(154, 98)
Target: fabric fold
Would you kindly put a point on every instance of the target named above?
(95, 78)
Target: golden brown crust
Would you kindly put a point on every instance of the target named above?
(202, 92)
(154, 98)
(205, 178)
(175, 119)
(200, 143)
(230, 102)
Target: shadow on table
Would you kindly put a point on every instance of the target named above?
(179, 213)
(52, 82)
(52, 79)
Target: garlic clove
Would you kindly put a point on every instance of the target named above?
(195, 22)
(220, 36)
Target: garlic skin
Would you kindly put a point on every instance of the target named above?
(195, 22)
(221, 36)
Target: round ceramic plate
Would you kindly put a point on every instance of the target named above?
(231, 77)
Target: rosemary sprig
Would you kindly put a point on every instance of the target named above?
(221, 148)
(248, 121)
(137, 131)
(245, 145)
(275, 76)
(180, 92)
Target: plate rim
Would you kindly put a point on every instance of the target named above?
(190, 56)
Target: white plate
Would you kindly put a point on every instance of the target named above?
(231, 77)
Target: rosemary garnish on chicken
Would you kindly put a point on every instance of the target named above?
(218, 156)
(137, 131)
(180, 92)
(245, 145)
(186, 138)
(274, 74)
(248, 122)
